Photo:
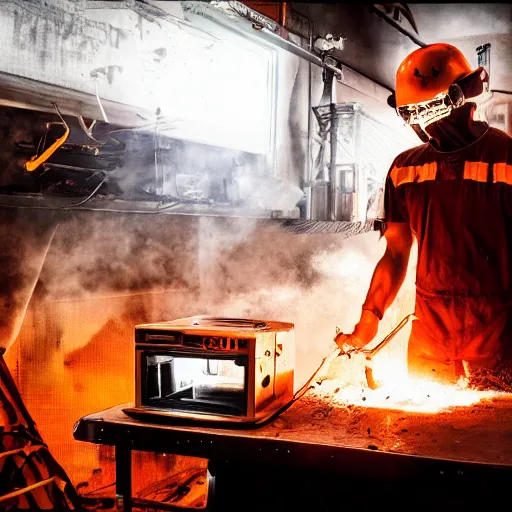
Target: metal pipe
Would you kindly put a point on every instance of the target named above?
(348, 76)
(345, 70)
(284, 8)
(333, 181)
(10, 452)
(360, 183)
(24, 490)
(309, 170)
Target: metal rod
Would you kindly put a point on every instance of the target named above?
(284, 12)
(11, 452)
(370, 353)
(309, 168)
(331, 202)
(274, 39)
(29, 488)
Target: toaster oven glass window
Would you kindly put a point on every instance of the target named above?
(199, 384)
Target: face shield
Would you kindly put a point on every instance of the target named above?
(430, 111)
(422, 114)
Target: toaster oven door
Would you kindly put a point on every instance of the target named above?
(208, 384)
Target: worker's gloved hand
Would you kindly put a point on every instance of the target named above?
(364, 332)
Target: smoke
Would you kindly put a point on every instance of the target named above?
(102, 254)
(316, 282)
(135, 178)
(172, 266)
(25, 238)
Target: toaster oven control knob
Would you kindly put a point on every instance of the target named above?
(216, 343)
(211, 343)
(268, 353)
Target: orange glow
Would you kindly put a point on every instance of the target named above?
(80, 360)
(346, 384)
(410, 395)
(502, 173)
(414, 173)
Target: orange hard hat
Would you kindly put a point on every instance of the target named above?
(429, 71)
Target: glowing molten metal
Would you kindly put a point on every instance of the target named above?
(345, 384)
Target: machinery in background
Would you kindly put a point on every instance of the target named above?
(68, 161)
(353, 156)
(55, 156)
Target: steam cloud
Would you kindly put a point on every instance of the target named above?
(25, 237)
(220, 266)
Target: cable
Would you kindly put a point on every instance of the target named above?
(112, 210)
(143, 128)
(302, 391)
(88, 131)
(169, 206)
(501, 91)
(381, 124)
(37, 160)
(306, 387)
(105, 118)
(329, 358)
(87, 198)
(86, 484)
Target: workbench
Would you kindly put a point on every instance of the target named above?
(325, 454)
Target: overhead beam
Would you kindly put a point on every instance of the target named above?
(20, 92)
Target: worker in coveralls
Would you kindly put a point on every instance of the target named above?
(453, 194)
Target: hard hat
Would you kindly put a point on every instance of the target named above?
(433, 80)
(429, 71)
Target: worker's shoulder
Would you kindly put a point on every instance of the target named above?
(499, 138)
(494, 148)
(499, 135)
(412, 156)
(495, 141)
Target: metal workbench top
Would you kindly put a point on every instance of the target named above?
(315, 435)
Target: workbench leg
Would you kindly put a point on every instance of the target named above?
(211, 496)
(124, 478)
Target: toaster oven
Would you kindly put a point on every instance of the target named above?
(213, 369)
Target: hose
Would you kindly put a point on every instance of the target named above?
(36, 160)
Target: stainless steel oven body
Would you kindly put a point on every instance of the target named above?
(214, 369)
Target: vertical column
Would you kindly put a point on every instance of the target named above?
(123, 478)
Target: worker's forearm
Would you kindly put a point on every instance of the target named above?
(386, 282)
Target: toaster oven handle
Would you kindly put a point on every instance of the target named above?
(230, 322)
(163, 337)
